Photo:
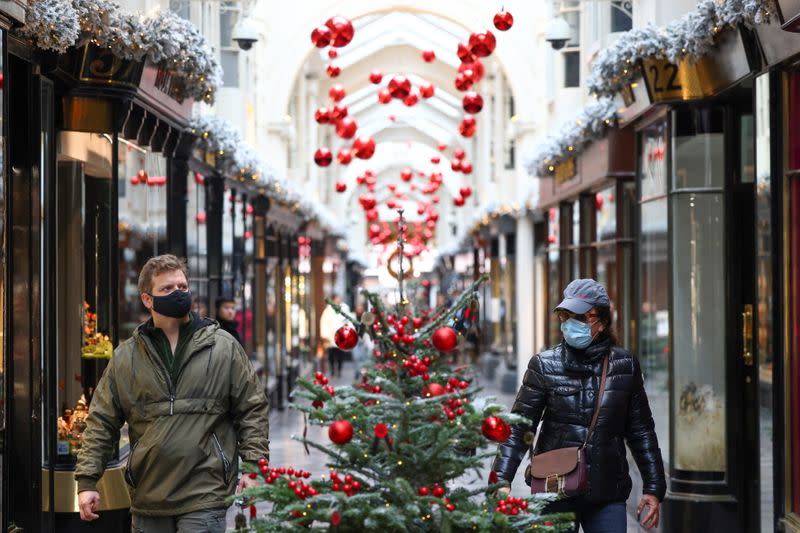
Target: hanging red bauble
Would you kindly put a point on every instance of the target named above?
(399, 87)
(392, 117)
(467, 126)
(248, 234)
(337, 93)
(333, 54)
(466, 192)
(429, 56)
(345, 156)
(495, 428)
(445, 339)
(426, 90)
(472, 102)
(340, 432)
(551, 239)
(391, 204)
(337, 112)
(482, 43)
(367, 201)
(411, 100)
(323, 157)
(199, 179)
(474, 70)
(433, 389)
(434, 199)
(598, 201)
(466, 167)
(459, 153)
(462, 82)
(503, 20)
(372, 215)
(442, 147)
(154, 181)
(2, 81)
(346, 338)
(464, 53)
(200, 217)
(341, 186)
(375, 76)
(406, 174)
(458, 201)
(364, 147)
(333, 70)
(455, 165)
(321, 36)
(341, 31)
(346, 128)
(392, 187)
(435, 159)
(384, 96)
(434, 216)
(381, 430)
(431, 224)
(135, 180)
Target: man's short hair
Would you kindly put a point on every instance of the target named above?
(158, 265)
(222, 301)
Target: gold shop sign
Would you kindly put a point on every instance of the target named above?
(565, 171)
(100, 65)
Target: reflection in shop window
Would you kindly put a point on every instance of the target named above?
(553, 279)
(196, 243)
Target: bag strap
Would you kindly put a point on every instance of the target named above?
(599, 401)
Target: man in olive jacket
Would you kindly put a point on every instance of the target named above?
(193, 406)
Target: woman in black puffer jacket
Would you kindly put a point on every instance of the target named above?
(562, 383)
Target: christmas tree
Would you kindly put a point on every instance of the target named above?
(402, 437)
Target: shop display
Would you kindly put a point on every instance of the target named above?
(700, 428)
(71, 425)
(96, 345)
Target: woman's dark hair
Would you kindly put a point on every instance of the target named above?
(605, 317)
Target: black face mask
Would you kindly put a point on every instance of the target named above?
(174, 305)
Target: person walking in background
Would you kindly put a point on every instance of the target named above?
(193, 406)
(587, 377)
(329, 322)
(226, 316)
(362, 350)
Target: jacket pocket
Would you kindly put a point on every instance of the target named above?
(226, 464)
(129, 466)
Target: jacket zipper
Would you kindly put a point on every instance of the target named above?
(226, 465)
(128, 472)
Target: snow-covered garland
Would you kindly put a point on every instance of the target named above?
(164, 39)
(691, 36)
(573, 136)
(239, 159)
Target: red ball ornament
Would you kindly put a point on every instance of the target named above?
(135, 180)
(375, 77)
(341, 31)
(494, 428)
(406, 174)
(598, 201)
(462, 82)
(464, 53)
(433, 389)
(200, 217)
(381, 430)
(445, 339)
(438, 491)
(333, 54)
(346, 338)
(503, 20)
(346, 128)
(474, 70)
(344, 157)
(341, 186)
(364, 147)
(323, 157)
(321, 36)
(466, 167)
(467, 126)
(337, 112)
(199, 179)
(372, 215)
(442, 147)
(482, 43)
(426, 90)
(333, 70)
(466, 192)
(458, 201)
(473, 102)
(367, 201)
(384, 96)
(429, 56)
(435, 159)
(337, 93)
(340, 432)
(411, 100)
(399, 87)
(455, 165)
(459, 153)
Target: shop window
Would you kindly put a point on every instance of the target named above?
(229, 50)
(571, 12)
(653, 161)
(572, 68)
(697, 141)
(621, 15)
(554, 287)
(197, 243)
(793, 366)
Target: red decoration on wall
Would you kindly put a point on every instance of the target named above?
(466, 192)
(342, 31)
(482, 43)
(153, 181)
(472, 102)
(442, 147)
(458, 201)
(406, 174)
(367, 201)
(200, 217)
(333, 54)
(435, 159)
(323, 157)
(341, 186)
(503, 20)
(455, 165)
(466, 167)
(459, 153)
(598, 201)
(474, 70)
(321, 36)
(399, 87)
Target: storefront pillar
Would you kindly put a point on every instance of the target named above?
(177, 171)
(215, 205)
(524, 294)
(260, 208)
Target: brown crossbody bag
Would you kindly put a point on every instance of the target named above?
(564, 471)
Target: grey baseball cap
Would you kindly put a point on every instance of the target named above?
(583, 294)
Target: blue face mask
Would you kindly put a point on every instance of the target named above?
(577, 334)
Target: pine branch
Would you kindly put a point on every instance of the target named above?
(461, 302)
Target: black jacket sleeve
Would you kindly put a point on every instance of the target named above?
(642, 440)
(529, 403)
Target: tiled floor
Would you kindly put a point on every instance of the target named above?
(285, 451)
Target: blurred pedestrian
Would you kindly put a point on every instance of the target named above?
(329, 323)
(361, 352)
(226, 316)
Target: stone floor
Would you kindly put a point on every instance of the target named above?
(495, 378)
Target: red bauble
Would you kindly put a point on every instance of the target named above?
(345, 156)
(333, 70)
(463, 83)
(494, 428)
(442, 147)
(438, 491)
(467, 126)
(367, 201)
(364, 147)
(458, 201)
(333, 54)
(340, 432)
(445, 339)
(465, 54)
(399, 87)
(474, 70)
(466, 192)
(337, 93)
(372, 215)
(433, 389)
(411, 100)
(135, 180)
(426, 90)
(598, 201)
(346, 128)
(482, 43)
(384, 96)
(337, 112)
(459, 153)
(503, 20)
(466, 167)
(346, 338)
(323, 157)
(321, 36)
(473, 102)
(199, 179)
(435, 159)
(381, 430)
(455, 165)
(200, 217)
(429, 56)
(375, 76)
(322, 115)
(406, 174)
(341, 31)
(341, 186)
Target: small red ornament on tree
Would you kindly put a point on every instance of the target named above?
(321, 36)
(346, 338)
(375, 77)
(473, 102)
(381, 430)
(323, 157)
(494, 428)
(503, 20)
(399, 87)
(341, 31)
(482, 43)
(429, 56)
(433, 389)
(445, 339)
(340, 432)
(336, 518)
